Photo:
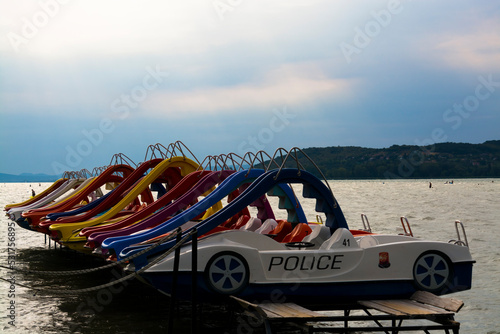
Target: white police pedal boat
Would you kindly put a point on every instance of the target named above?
(331, 264)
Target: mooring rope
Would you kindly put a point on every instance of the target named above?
(90, 270)
(123, 279)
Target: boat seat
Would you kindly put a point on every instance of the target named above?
(252, 224)
(357, 233)
(319, 234)
(341, 238)
(299, 232)
(230, 221)
(240, 222)
(367, 241)
(266, 227)
(284, 227)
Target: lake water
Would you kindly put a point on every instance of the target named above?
(133, 307)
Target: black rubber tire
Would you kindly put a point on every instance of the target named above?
(227, 273)
(432, 272)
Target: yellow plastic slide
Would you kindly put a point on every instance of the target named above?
(44, 193)
(186, 165)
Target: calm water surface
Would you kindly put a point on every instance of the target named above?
(133, 307)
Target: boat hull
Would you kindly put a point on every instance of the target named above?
(304, 292)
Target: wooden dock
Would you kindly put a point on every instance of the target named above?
(422, 312)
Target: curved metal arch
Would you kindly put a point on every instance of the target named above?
(152, 150)
(234, 159)
(98, 170)
(220, 162)
(259, 156)
(179, 145)
(85, 173)
(70, 175)
(293, 153)
(174, 149)
(122, 159)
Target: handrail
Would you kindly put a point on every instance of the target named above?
(172, 150)
(98, 170)
(278, 160)
(233, 158)
(366, 223)
(71, 175)
(459, 241)
(293, 151)
(85, 173)
(259, 156)
(408, 231)
(121, 159)
(213, 163)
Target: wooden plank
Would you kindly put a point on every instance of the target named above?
(450, 304)
(244, 303)
(305, 311)
(405, 307)
(376, 306)
(411, 307)
(288, 310)
(252, 308)
(436, 310)
(273, 310)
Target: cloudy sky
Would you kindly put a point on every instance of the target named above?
(83, 80)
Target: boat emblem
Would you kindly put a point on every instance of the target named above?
(383, 260)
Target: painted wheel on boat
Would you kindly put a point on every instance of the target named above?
(227, 273)
(432, 272)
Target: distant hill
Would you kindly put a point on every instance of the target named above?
(442, 160)
(28, 177)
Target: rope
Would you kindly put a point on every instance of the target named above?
(16, 283)
(85, 271)
(123, 279)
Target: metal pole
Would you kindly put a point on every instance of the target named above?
(194, 272)
(173, 295)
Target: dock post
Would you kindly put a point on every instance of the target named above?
(173, 295)
(194, 272)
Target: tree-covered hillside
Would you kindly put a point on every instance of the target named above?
(443, 160)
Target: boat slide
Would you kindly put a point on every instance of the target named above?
(313, 188)
(115, 197)
(161, 217)
(185, 193)
(39, 196)
(63, 231)
(79, 238)
(171, 176)
(112, 182)
(15, 213)
(96, 234)
(84, 191)
(207, 182)
(124, 248)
